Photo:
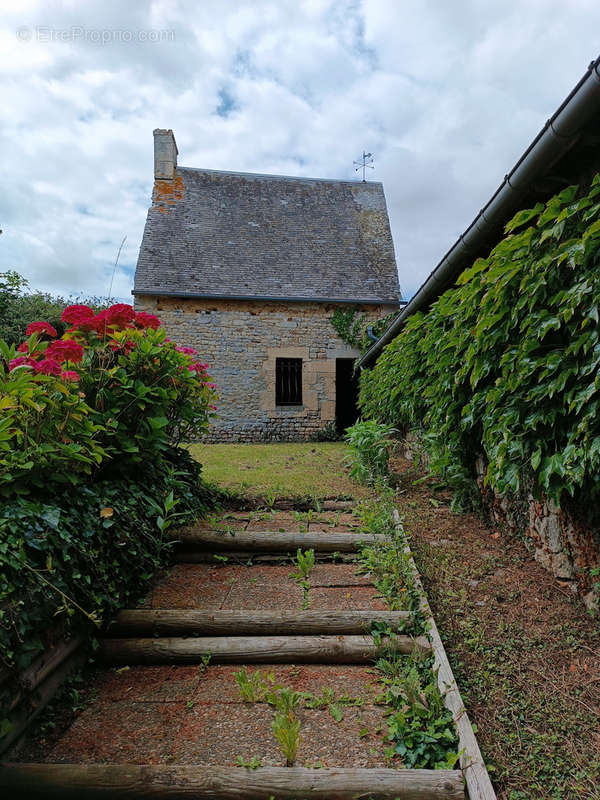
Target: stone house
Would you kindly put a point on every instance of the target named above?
(248, 269)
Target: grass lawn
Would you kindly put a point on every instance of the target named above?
(282, 470)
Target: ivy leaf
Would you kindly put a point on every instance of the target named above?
(521, 217)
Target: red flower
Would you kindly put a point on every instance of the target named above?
(40, 327)
(65, 350)
(77, 314)
(49, 366)
(23, 347)
(145, 320)
(22, 361)
(69, 375)
(120, 315)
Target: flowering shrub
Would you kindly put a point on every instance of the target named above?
(110, 398)
(115, 371)
(46, 427)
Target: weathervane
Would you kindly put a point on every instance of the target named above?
(365, 163)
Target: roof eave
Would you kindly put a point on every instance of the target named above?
(557, 137)
(379, 301)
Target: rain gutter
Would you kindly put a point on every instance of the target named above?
(557, 136)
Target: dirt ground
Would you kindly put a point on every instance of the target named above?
(524, 650)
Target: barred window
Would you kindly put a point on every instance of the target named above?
(288, 381)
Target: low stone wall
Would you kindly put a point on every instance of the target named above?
(568, 548)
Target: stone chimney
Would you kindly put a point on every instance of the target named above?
(165, 155)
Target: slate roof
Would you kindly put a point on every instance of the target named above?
(230, 234)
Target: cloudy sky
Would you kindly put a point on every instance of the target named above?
(446, 93)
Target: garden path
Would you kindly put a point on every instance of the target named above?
(194, 714)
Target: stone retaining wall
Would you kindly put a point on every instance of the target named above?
(568, 548)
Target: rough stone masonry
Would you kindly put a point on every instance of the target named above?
(248, 269)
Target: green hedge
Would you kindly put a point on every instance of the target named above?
(70, 559)
(505, 364)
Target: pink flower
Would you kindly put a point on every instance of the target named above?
(65, 350)
(77, 314)
(69, 375)
(189, 351)
(49, 366)
(197, 368)
(23, 361)
(40, 327)
(145, 320)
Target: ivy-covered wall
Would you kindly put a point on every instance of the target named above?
(505, 367)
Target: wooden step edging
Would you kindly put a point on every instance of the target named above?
(478, 781)
(254, 649)
(38, 684)
(280, 542)
(190, 622)
(116, 781)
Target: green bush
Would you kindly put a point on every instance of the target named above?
(353, 327)
(506, 363)
(112, 393)
(369, 443)
(46, 430)
(76, 556)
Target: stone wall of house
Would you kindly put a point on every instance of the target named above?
(240, 341)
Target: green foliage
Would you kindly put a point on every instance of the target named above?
(506, 363)
(388, 562)
(328, 433)
(47, 432)
(304, 562)
(134, 395)
(248, 763)
(420, 727)
(352, 327)
(369, 443)
(144, 395)
(255, 687)
(75, 543)
(286, 729)
(74, 557)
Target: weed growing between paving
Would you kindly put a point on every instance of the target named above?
(304, 562)
(420, 728)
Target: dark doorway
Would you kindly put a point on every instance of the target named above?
(346, 394)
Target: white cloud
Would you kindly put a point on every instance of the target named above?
(447, 96)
